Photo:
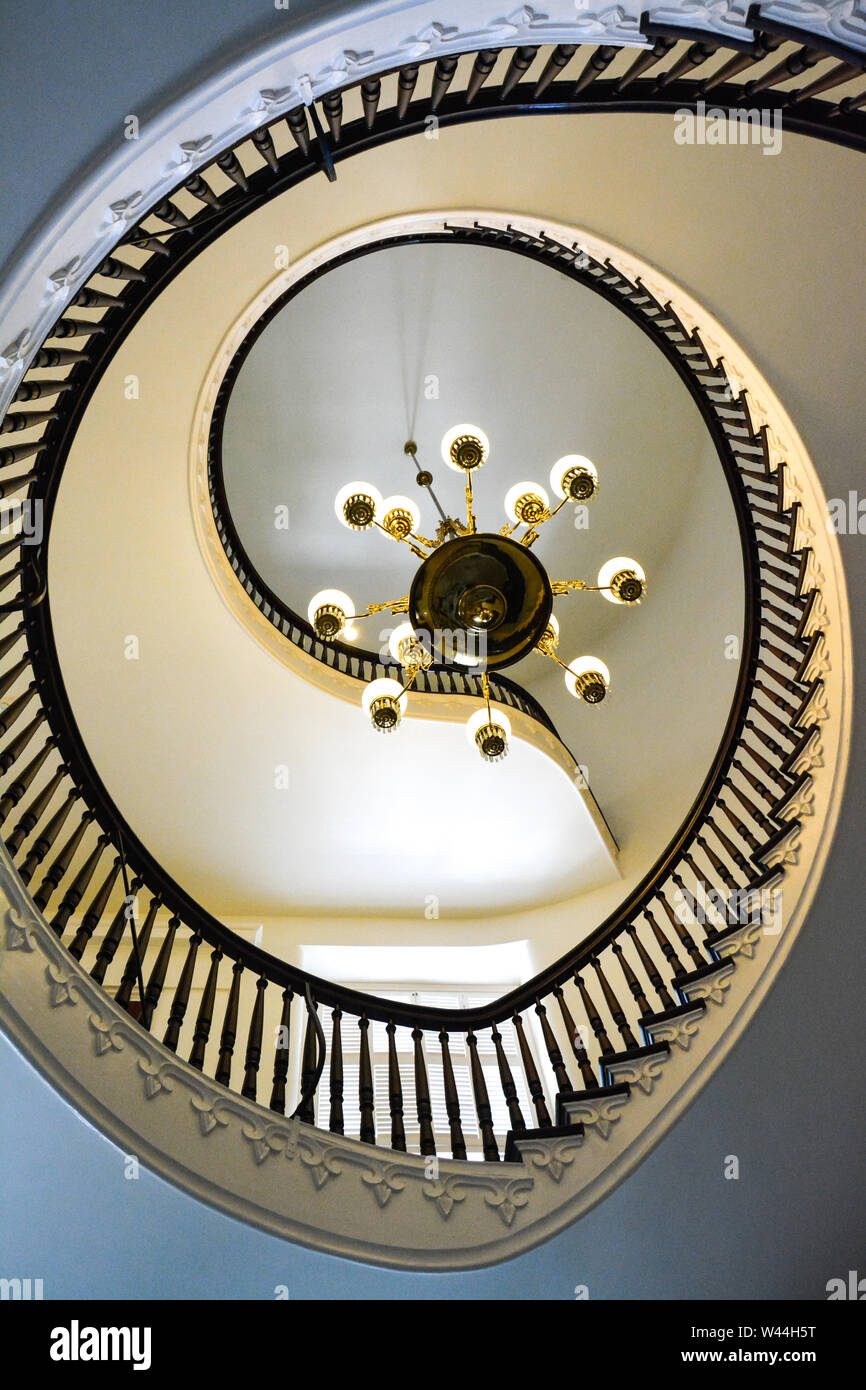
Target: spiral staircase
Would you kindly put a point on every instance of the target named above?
(221, 1062)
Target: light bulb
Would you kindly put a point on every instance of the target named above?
(526, 502)
(384, 700)
(358, 505)
(622, 580)
(400, 516)
(588, 679)
(327, 612)
(489, 733)
(465, 447)
(574, 476)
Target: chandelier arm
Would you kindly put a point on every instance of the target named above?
(532, 533)
(560, 587)
(470, 516)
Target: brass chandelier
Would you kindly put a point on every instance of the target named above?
(479, 599)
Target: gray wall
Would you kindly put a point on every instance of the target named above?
(788, 1101)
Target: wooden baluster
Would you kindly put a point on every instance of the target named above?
(13, 750)
(73, 895)
(265, 146)
(732, 850)
(509, 1090)
(281, 1055)
(595, 1020)
(665, 946)
(366, 1094)
(563, 1083)
(406, 81)
(36, 390)
(307, 1110)
(113, 937)
(533, 1081)
(254, 1042)
(63, 357)
(422, 1096)
(842, 72)
(335, 1121)
(155, 984)
(443, 75)
(113, 269)
(31, 817)
(93, 916)
(59, 866)
(483, 66)
(794, 66)
(12, 638)
(44, 842)
(647, 59)
(452, 1100)
(332, 105)
(223, 1072)
(522, 59)
(650, 968)
(684, 935)
(196, 185)
(764, 43)
(740, 826)
(8, 488)
(576, 1040)
(24, 781)
(17, 707)
(299, 129)
(696, 54)
(71, 327)
(596, 64)
(15, 420)
(371, 90)
(181, 995)
(89, 298)
(561, 55)
(482, 1102)
(12, 675)
(720, 869)
(759, 817)
(201, 1033)
(129, 979)
(634, 985)
(166, 211)
(395, 1092)
(231, 166)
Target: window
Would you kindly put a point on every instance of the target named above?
(430, 997)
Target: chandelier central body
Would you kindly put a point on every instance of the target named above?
(488, 587)
(478, 599)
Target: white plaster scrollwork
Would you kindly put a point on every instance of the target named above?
(550, 1156)
(599, 1113)
(383, 1179)
(679, 1031)
(19, 934)
(64, 986)
(321, 1160)
(642, 1072)
(712, 987)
